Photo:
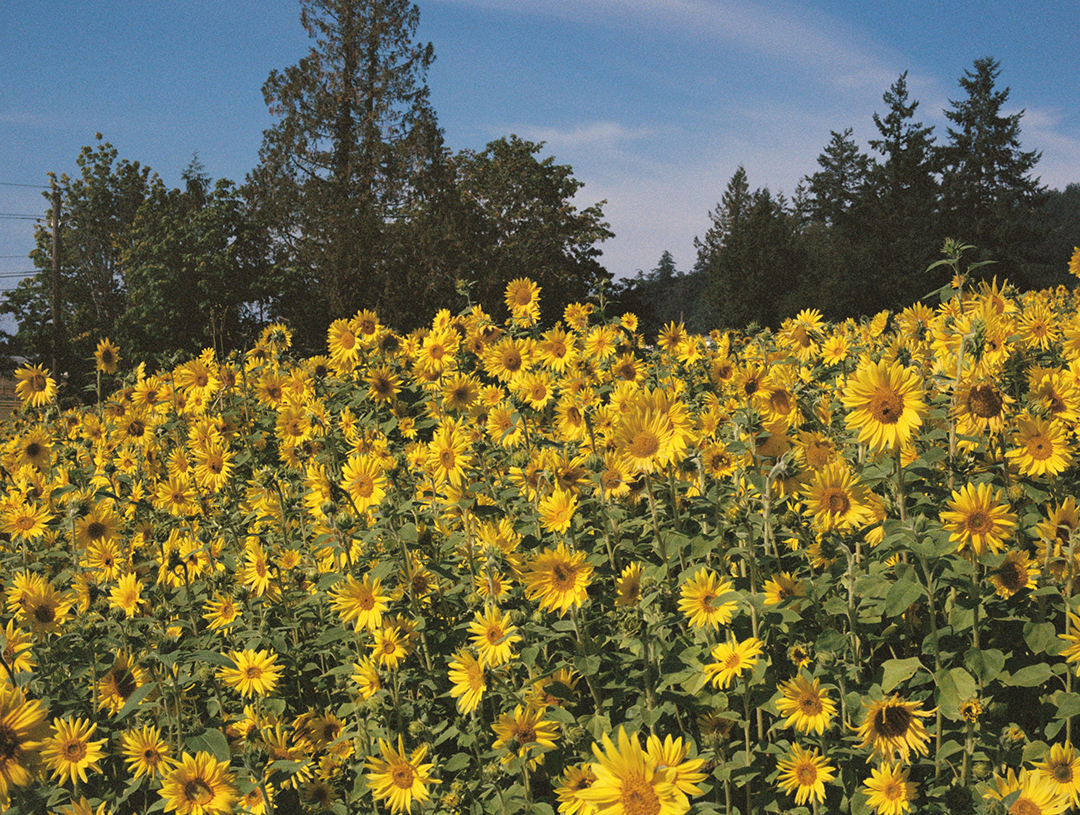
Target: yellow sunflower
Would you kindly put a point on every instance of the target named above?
(806, 705)
(1041, 447)
(364, 482)
(732, 659)
(69, 753)
(255, 672)
(559, 578)
(199, 785)
(468, 681)
(1038, 795)
(628, 586)
(145, 752)
(1061, 766)
(1015, 573)
(574, 780)
(805, 773)
(119, 683)
(893, 727)
(699, 596)
(888, 791)
(837, 500)
(397, 779)
(22, 728)
(34, 385)
(493, 637)
(628, 782)
(557, 510)
(360, 600)
(886, 404)
(525, 734)
(976, 518)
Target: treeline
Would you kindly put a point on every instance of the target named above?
(859, 233)
(356, 204)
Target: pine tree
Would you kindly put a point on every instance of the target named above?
(354, 130)
(838, 185)
(902, 227)
(989, 194)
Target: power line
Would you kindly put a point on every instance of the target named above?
(31, 186)
(19, 217)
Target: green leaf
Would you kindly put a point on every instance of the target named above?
(1031, 676)
(954, 686)
(895, 671)
(210, 741)
(134, 700)
(459, 761)
(901, 595)
(985, 664)
(588, 666)
(1068, 705)
(1039, 635)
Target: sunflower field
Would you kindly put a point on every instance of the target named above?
(494, 568)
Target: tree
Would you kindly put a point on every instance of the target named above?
(99, 205)
(523, 223)
(903, 230)
(752, 256)
(354, 130)
(838, 186)
(989, 194)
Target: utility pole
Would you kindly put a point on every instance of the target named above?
(55, 278)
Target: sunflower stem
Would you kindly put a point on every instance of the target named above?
(976, 599)
(900, 497)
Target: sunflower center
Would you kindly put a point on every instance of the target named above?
(75, 751)
(639, 798)
(810, 705)
(645, 444)
(366, 601)
(806, 773)
(45, 613)
(198, 792)
(732, 661)
(1025, 806)
(125, 683)
(979, 523)
(1063, 773)
(836, 501)
(95, 530)
(150, 756)
(33, 450)
(1013, 577)
(525, 734)
(364, 486)
(894, 791)
(779, 402)
(985, 402)
(37, 382)
(562, 577)
(402, 775)
(886, 406)
(1039, 448)
(892, 722)
(253, 672)
(9, 744)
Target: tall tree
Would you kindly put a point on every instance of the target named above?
(989, 194)
(354, 128)
(838, 185)
(902, 225)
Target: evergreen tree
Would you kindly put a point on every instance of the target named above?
(354, 131)
(838, 185)
(989, 194)
(902, 224)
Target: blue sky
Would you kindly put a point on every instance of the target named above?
(654, 103)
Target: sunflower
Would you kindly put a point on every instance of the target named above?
(1016, 572)
(628, 586)
(221, 612)
(888, 791)
(837, 499)
(199, 785)
(34, 385)
(398, 779)
(698, 598)
(782, 587)
(468, 680)
(893, 727)
(119, 683)
(69, 753)
(22, 728)
(732, 659)
(980, 408)
(805, 773)
(557, 510)
(360, 600)
(523, 300)
(559, 578)
(525, 734)
(145, 752)
(1041, 447)
(213, 467)
(671, 755)
(628, 781)
(1038, 795)
(493, 637)
(644, 439)
(389, 647)
(35, 448)
(364, 482)
(45, 609)
(174, 496)
(448, 453)
(885, 403)
(574, 780)
(26, 520)
(367, 679)
(806, 705)
(1061, 766)
(100, 524)
(255, 672)
(18, 650)
(976, 518)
